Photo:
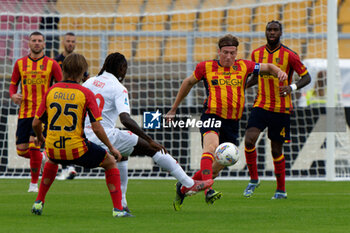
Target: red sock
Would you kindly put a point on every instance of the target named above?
(207, 166)
(280, 172)
(49, 175)
(250, 156)
(113, 184)
(35, 163)
(197, 175)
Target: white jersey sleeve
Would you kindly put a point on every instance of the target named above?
(112, 98)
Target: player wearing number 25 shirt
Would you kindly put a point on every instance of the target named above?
(65, 107)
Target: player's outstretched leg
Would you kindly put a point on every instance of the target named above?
(211, 196)
(182, 191)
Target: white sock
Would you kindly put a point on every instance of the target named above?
(167, 162)
(123, 169)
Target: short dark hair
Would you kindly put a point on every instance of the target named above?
(73, 66)
(276, 22)
(113, 64)
(69, 34)
(228, 40)
(36, 33)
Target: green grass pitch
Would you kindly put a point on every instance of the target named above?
(85, 206)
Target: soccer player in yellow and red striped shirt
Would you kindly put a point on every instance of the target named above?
(35, 73)
(224, 80)
(272, 106)
(65, 107)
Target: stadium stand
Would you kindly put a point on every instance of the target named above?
(184, 21)
(153, 21)
(175, 49)
(238, 20)
(212, 20)
(295, 17)
(263, 14)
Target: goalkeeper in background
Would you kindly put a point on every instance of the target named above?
(69, 40)
(272, 106)
(64, 108)
(224, 80)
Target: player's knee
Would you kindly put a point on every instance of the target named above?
(109, 162)
(23, 152)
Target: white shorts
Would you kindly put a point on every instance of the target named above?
(123, 140)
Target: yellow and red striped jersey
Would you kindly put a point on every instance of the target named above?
(224, 86)
(35, 77)
(64, 109)
(268, 91)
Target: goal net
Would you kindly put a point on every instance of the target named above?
(163, 41)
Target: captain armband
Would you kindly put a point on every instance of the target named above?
(256, 68)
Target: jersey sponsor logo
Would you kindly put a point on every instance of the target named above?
(227, 82)
(126, 101)
(151, 120)
(34, 81)
(61, 143)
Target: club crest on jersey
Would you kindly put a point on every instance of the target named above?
(278, 60)
(42, 67)
(234, 67)
(126, 101)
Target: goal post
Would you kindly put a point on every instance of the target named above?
(163, 41)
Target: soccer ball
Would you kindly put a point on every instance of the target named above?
(227, 154)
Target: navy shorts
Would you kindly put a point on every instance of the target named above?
(228, 131)
(278, 124)
(24, 130)
(91, 159)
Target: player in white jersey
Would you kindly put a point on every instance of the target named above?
(113, 101)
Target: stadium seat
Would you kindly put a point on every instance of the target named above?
(211, 20)
(205, 49)
(148, 49)
(318, 17)
(122, 45)
(264, 14)
(126, 23)
(155, 22)
(175, 49)
(181, 21)
(344, 48)
(89, 46)
(344, 15)
(128, 15)
(316, 48)
(346, 28)
(295, 17)
(238, 20)
(86, 7)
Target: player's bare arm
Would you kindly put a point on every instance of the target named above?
(267, 68)
(37, 127)
(131, 125)
(101, 134)
(185, 88)
(305, 80)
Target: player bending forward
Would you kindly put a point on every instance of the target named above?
(64, 108)
(113, 102)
